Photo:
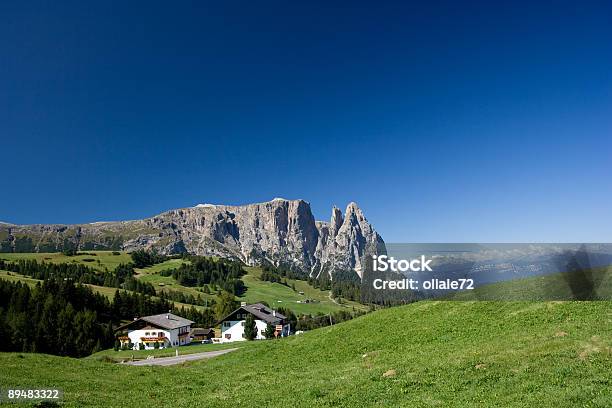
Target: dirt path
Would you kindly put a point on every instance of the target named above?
(166, 361)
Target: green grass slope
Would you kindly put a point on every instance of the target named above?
(523, 354)
(99, 261)
(275, 294)
(278, 295)
(103, 290)
(595, 284)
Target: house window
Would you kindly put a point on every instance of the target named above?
(153, 334)
(228, 336)
(227, 324)
(147, 333)
(242, 324)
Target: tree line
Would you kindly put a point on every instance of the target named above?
(205, 271)
(55, 317)
(180, 297)
(66, 318)
(143, 259)
(346, 284)
(121, 277)
(307, 322)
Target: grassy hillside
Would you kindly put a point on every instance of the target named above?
(545, 354)
(94, 259)
(103, 290)
(595, 284)
(152, 275)
(275, 294)
(13, 277)
(157, 268)
(278, 295)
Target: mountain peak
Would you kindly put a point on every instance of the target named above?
(280, 231)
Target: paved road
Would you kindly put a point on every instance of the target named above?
(166, 361)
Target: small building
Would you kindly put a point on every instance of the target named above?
(200, 334)
(166, 329)
(232, 326)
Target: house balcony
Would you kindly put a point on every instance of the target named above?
(154, 339)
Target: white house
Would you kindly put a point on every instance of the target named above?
(166, 329)
(232, 326)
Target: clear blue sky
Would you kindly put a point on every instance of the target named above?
(445, 122)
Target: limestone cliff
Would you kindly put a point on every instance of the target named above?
(279, 231)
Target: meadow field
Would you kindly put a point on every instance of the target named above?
(431, 353)
(94, 259)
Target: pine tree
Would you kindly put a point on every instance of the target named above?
(250, 329)
(269, 333)
(225, 305)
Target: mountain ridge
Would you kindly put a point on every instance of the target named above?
(281, 232)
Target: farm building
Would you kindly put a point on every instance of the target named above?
(232, 326)
(167, 330)
(200, 334)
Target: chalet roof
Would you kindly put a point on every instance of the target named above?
(261, 312)
(199, 331)
(165, 321)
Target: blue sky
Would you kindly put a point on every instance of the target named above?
(445, 122)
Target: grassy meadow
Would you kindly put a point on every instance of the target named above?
(94, 259)
(278, 295)
(595, 284)
(431, 353)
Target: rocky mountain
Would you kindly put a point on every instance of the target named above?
(279, 231)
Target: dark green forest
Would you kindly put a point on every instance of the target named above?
(66, 318)
(122, 277)
(205, 271)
